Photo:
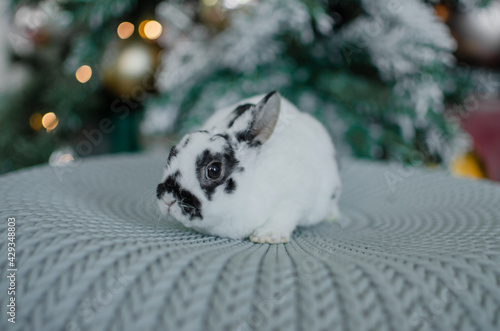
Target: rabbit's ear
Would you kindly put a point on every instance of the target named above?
(256, 124)
(266, 116)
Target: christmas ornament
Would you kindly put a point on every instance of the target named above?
(477, 31)
(129, 67)
(482, 125)
(467, 165)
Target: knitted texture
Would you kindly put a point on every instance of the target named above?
(414, 249)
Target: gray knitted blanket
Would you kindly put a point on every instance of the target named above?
(414, 250)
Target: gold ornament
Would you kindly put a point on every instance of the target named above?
(129, 66)
(467, 165)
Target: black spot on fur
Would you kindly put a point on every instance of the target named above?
(243, 136)
(248, 137)
(168, 184)
(202, 131)
(160, 189)
(185, 143)
(230, 158)
(230, 186)
(173, 153)
(190, 205)
(238, 111)
(254, 143)
(229, 163)
(264, 100)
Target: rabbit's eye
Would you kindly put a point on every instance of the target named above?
(214, 170)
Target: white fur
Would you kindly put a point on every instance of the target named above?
(287, 181)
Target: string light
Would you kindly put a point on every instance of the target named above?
(125, 30)
(50, 121)
(83, 74)
(36, 121)
(141, 29)
(150, 29)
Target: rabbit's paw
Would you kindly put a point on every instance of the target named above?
(270, 235)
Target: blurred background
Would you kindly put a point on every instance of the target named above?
(406, 80)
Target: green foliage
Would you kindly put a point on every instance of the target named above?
(377, 74)
(52, 86)
(382, 71)
(19, 145)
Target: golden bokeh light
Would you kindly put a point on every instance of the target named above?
(142, 25)
(83, 74)
(150, 29)
(36, 121)
(125, 30)
(50, 121)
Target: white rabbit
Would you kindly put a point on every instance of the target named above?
(257, 169)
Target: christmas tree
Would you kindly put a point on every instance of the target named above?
(107, 75)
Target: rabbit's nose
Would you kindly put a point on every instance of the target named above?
(170, 202)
